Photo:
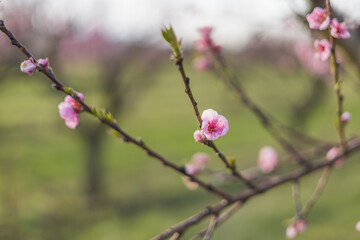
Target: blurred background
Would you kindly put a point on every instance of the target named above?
(57, 183)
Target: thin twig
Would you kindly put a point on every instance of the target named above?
(126, 137)
(209, 143)
(222, 218)
(210, 228)
(335, 76)
(352, 146)
(230, 78)
(317, 192)
(296, 196)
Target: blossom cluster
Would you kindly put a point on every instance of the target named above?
(203, 45)
(29, 66)
(320, 19)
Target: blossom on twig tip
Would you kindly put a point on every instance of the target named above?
(44, 63)
(268, 159)
(322, 49)
(339, 30)
(213, 124)
(291, 231)
(332, 154)
(345, 117)
(294, 229)
(28, 66)
(199, 136)
(318, 19)
(69, 110)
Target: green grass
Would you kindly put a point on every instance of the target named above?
(42, 167)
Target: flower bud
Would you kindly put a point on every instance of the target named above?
(28, 66)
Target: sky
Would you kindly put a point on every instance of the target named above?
(234, 21)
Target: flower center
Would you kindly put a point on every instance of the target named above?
(212, 127)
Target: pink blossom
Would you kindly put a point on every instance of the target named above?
(206, 31)
(338, 30)
(69, 110)
(28, 66)
(318, 19)
(332, 154)
(294, 229)
(44, 63)
(197, 164)
(268, 159)
(199, 136)
(200, 160)
(322, 49)
(305, 53)
(191, 169)
(345, 117)
(201, 63)
(206, 43)
(301, 226)
(357, 226)
(213, 124)
(190, 184)
(291, 231)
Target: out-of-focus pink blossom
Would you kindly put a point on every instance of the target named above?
(206, 43)
(191, 169)
(322, 49)
(345, 117)
(294, 229)
(197, 164)
(28, 66)
(201, 63)
(199, 136)
(206, 31)
(200, 160)
(291, 231)
(318, 19)
(332, 154)
(69, 110)
(305, 53)
(213, 124)
(190, 184)
(357, 226)
(268, 159)
(338, 30)
(44, 63)
(301, 226)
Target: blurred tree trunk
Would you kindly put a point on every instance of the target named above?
(94, 135)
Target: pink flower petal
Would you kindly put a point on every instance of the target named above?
(66, 110)
(338, 30)
(44, 62)
(28, 66)
(72, 122)
(291, 231)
